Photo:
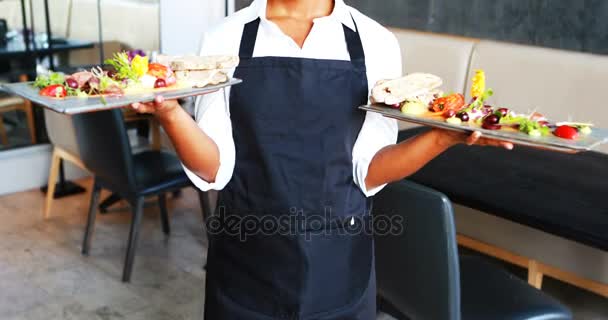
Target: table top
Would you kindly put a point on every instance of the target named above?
(562, 194)
(16, 48)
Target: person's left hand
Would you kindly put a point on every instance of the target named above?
(450, 138)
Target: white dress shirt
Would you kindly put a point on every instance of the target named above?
(325, 41)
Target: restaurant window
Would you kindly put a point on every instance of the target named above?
(126, 25)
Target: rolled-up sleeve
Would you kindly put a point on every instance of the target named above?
(377, 131)
(213, 117)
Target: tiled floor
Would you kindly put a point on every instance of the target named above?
(43, 275)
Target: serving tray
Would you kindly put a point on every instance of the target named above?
(583, 143)
(76, 105)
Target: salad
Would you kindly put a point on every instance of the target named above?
(453, 109)
(125, 72)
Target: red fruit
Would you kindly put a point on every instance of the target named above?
(72, 83)
(566, 132)
(158, 70)
(491, 126)
(160, 83)
(54, 91)
(449, 113)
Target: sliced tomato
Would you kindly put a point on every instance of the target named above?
(159, 71)
(452, 102)
(54, 91)
(566, 132)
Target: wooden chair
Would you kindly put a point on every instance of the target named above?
(105, 150)
(60, 129)
(12, 103)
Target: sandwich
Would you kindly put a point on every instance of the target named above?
(200, 71)
(421, 87)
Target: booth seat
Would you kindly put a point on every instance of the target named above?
(447, 57)
(562, 85)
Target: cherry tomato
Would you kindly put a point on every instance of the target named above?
(160, 83)
(54, 91)
(566, 132)
(452, 102)
(158, 70)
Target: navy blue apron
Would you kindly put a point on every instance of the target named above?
(293, 242)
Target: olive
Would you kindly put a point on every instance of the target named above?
(160, 83)
(71, 83)
(491, 119)
(463, 116)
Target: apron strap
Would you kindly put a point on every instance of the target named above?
(250, 34)
(353, 42)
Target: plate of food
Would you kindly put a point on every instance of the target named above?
(127, 79)
(417, 98)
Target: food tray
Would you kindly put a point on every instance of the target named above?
(583, 143)
(75, 105)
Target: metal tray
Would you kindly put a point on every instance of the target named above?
(584, 143)
(75, 105)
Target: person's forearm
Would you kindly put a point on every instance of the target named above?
(197, 151)
(398, 161)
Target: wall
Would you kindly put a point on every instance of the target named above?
(578, 25)
(184, 21)
(28, 168)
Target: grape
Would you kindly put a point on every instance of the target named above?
(160, 83)
(491, 126)
(463, 116)
(112, 74)
(491, 119)
(449, 113)
(503, 112)
(71, 83)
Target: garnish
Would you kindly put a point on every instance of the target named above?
(122, 65)
(139, 65)
(479, 84)
(53, 78)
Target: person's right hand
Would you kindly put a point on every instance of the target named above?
(159, 107)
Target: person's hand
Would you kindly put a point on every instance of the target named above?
(159, 107)
(449, 138)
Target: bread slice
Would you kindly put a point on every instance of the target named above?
(395, 91)
(201, 78)
(184, 63)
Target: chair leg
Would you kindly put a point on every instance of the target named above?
(53, 175)
(29, 112)
(108, 202)
(88, 234)
(3, 135)
(164, 214)
(203, 198)
(138, 209)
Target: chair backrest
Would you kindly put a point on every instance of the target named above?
(60, 130)
(105, 149)
(417, 269)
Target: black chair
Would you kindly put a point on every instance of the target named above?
(106, 152)
(419, 275)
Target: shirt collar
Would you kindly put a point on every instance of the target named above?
(341, 12)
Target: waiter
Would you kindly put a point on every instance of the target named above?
(290, 141)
